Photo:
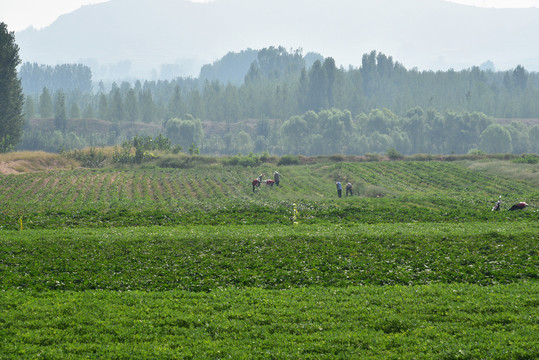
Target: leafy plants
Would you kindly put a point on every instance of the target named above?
(190, 263)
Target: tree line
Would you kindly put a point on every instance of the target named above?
(379, 105)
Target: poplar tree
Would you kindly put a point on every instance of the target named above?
(11, 96)
(45, 104)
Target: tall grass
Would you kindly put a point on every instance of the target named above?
(31, 161)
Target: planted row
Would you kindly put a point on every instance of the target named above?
(62, 189)
(272, 257)
(405, 322)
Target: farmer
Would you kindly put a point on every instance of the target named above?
(256, 183)
(521, 205)
(276, 177)
(349, 188)
(339, 188)
(498, 204)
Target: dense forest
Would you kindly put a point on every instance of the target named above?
(282, 102)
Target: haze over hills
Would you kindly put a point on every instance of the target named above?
(123, 38)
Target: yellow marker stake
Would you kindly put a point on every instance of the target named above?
(20, 222)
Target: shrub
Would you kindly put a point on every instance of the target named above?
(267, 158)
(337, 157)
(393, 154)
(91, 158)
(372, 157)
(289, 160)
(249, 160)
(422, 157)
(527, 159)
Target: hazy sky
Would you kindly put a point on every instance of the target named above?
(21, 14)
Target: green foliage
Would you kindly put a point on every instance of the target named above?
(283, 257)
(185, 263)
(92, 158)
(140, 149)
(207, 192)
(372, 157)
(393, 154)
(251, 160)
(60, 113)
(184, 161)
(406, 322)
(185, 132)
(496, 139)
(527, 159)
(356, 111)
(45, 104)
(6, 144)
(193, 149)
(66, 77)
(11, 95)
(288, 160)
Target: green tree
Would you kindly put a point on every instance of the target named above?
(333, 130)
(147, 106)
(176, 108)
(243, 142)
(45, 104)
(74, 111)
(116, 106)
(495, 139)
(60, 113)
(519, 137)
(88, 112)
(294, 133)
(318, 87)
(331, 70)
(11, 96)
(29, 107)
(520, 77)
(102, 107)
(534, 138)
(185, 132)
(131, 106)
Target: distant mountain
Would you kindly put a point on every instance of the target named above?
(122, 38)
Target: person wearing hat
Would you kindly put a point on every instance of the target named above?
(276, 177)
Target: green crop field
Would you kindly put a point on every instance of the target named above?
(191, 263)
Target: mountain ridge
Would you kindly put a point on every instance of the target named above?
(144, 34)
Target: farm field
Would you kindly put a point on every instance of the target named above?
(410, 191)
(175, 264)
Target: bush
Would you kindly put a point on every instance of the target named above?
(249, 160)
(337, 158)
(372, 157)
(422, 157)
(91, 158)
(527, 159)
(289, 160)
(184, 161)
(267, 158)
(393, 154)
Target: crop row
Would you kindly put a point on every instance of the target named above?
(429, 322)
(107, 186)
(274, 257)
(416, 192)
